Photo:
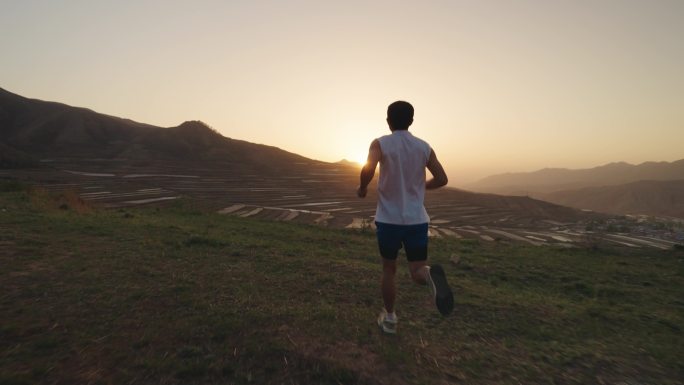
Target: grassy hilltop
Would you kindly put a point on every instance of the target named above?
(175, 295)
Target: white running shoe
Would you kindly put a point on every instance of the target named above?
(387, 323)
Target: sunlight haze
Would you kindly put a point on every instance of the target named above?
(497, 86)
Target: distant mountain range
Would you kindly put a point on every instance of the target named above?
(556, 179)
(658, 198)
(651, 188)
(31, 130)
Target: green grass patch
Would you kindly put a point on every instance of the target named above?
(177, 295)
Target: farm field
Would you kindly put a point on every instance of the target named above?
(324, 193)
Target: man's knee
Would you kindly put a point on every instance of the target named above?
(389, 267)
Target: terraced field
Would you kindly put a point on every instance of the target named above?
(318, 193)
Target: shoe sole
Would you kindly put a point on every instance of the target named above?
(385, 329)
(444, 298)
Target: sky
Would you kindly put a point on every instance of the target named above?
(497, 85)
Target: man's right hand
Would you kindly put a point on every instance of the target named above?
(361, 192)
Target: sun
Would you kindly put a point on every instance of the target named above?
(351, 142)
(360, 158)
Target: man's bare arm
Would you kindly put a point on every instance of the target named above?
(439, 177)
(368, 170)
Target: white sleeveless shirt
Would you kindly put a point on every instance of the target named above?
(401, 187)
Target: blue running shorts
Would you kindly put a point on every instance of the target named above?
(414, 239)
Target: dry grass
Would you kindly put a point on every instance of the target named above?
(67, 200)
(177, 296)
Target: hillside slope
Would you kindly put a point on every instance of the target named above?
(39, 129)
(226, 170)
(177, 296)
(556, 179)
(658, 198)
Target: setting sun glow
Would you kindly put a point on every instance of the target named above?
(498, 86)
(360, 159)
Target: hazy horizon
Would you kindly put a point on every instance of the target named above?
(497, 86)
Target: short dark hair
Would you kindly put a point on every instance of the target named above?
(400, 115)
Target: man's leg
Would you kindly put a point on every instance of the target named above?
(389, 243)
(416, 245)
(435, 278)
(389, 289)
(419, 272)
(416, 252)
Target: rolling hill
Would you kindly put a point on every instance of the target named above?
(32, 129)
(658, 198)
(555, 179)
(107, 156)
(650, 188)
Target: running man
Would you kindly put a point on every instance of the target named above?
(400, 217)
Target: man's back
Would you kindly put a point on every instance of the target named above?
(401, 188)
(401, 220)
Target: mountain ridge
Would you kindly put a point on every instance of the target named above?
(80, 143)
(646, 197)
(548, 180)
(32, 129)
